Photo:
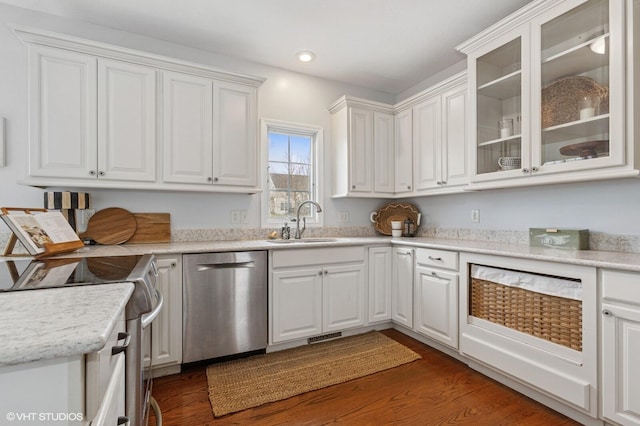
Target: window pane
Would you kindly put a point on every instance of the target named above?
(280, 204)
(278, 147)
(300, 149)
(291, 173)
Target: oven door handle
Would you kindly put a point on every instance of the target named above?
(148, 318)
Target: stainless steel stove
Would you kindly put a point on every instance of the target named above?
(143, 307)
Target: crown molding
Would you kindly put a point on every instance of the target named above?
(51, 39)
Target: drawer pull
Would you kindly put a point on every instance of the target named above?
(435, 258)
(607, 313)
(127, 339)
(434, 274)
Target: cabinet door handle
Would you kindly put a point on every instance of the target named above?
(434, 274)
(174, 264)
(607, 313)
(435, 258)
(320, 273)
(326, 272)
(209, 179)
(444, 182)
(101, 173)
(127, 339)
(92, 172)
(215, 179)
(353, 187)
(409, 187)
(534, 169)
(525, 170)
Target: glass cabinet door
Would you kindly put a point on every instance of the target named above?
(499, 108)
(574, 93)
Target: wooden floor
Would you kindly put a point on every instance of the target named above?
(435, 390)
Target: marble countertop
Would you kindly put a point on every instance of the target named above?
(59, 322)
(601, 259)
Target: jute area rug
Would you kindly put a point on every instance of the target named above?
(249, 382)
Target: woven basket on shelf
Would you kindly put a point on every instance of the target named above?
(561, 99)
(552, 318)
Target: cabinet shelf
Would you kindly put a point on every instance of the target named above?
(574, 61)
(513, 138)
(505, 87)
(576, 129)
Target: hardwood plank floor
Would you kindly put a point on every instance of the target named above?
(435, 390)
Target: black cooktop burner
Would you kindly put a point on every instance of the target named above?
(27, 274)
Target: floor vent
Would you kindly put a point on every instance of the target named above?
(317, 339)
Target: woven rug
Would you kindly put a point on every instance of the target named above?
(249, 382)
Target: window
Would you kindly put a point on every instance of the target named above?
(292, 165)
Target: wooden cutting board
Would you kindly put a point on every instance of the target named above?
(152, 228)
(110, 226)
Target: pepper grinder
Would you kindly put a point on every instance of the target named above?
(409, 228)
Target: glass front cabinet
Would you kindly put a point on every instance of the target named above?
(548, 93)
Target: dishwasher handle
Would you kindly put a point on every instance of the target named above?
(225, 265)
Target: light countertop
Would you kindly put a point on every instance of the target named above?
(596, 258)
(59, 322)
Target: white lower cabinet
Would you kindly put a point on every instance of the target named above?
(540, 357)
(436, 297)
(166, 329)
(379, 284)
(315, 291)
(620, 351)
(69, 391)
(402, 286)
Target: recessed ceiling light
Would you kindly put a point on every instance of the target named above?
(305, 56)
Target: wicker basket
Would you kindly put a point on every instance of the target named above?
(552, 318)
(560, 99)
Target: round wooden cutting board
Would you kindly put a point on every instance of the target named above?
(111, 226)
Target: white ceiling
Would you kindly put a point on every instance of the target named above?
(385, 45)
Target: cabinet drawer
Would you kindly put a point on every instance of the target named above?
(437, 258)
(317, 256)
(623, 286)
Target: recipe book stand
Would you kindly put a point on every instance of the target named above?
(50, 249)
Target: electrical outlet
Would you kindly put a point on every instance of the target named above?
(236, 217)
(475, 216)
(343, 217)
(243, 217)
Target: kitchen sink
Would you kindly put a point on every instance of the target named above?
(303, 241)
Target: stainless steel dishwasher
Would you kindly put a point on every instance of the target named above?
(224, 304)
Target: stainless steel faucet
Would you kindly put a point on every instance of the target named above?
(304, 219)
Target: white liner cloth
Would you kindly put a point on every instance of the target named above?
(532, 282)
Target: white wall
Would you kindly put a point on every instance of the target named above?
(608, 206)
(284, 96)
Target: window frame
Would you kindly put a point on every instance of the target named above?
(317, 133)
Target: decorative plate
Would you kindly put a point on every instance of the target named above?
(394, 211)
(586, 149)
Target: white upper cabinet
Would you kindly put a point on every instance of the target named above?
(403, 153)
(235, 119)
(187, 128)
(62, 134)
(126, 121)
(416, 147)
(548, 95)
(431, 140)
(427, 134)
(383, 160)
(362, 148)
(108, 117)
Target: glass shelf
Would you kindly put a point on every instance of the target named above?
(576, 129)
(505, 87)
(574, 61)
(514, 138)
